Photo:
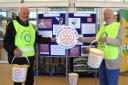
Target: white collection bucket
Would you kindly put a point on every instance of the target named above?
(19, 72)
(73, 78)
(95, 57)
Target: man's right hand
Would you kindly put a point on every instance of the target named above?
(17, 52)
(80, 39)
(87, 50)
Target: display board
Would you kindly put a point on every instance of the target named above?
(49, 25)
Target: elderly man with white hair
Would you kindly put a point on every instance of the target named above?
(111, 33)
(19, 41)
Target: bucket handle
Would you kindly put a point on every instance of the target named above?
(15, 58)
(92, 43)
(100, 37)
(96, 41)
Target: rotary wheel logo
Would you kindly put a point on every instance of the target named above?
(27, 38)
(93, 59)
(17, 73)
(67, 37)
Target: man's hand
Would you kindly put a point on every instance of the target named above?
(17, 52)
(53, 39)
(102, 40)
(87, 50)
(80, 39)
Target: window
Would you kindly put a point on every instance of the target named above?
(104, 0)
(10, 0)
(85, 10)
(32, 15)
(114, 0)
(44, 0)
(57, 10)
(3, 14)
(90, 0)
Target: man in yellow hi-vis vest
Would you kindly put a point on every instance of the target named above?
(19, 41)
(111, 33)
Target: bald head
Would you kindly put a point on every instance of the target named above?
(108, 10)
(108, 15)
(23, 14)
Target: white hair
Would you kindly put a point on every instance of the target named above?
(22, 7)
(109, 10)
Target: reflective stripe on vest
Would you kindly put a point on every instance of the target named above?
(25, 38)
(112, 30)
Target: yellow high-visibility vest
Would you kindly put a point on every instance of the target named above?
(111, 52)
(25, 38)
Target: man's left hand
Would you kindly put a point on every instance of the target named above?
(53, 39)
(102, 40)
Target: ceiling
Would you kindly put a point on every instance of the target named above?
(28, 0)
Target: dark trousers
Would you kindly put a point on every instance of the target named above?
(30, 73)
(108, 77)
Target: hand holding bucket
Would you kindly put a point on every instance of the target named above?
(95, 56)
(19, 72)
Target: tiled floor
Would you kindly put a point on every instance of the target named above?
(5, 79)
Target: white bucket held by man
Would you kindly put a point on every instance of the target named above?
(19, 72)
(73, 78)
(95, 57)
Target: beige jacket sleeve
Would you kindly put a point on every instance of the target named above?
(86, 39)
(119, 40)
